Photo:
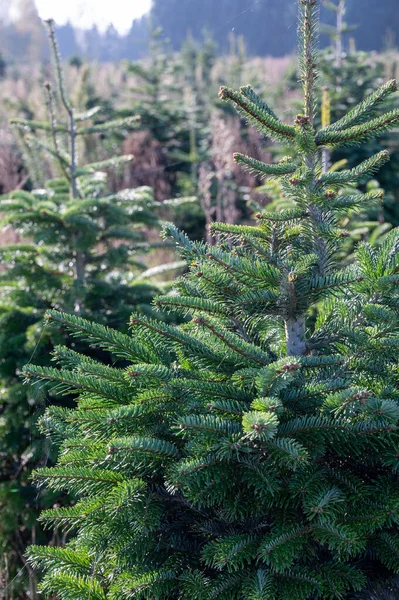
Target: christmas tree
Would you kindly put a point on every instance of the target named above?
(168, 94)
(81, 251)
(347, 77)
(251, 452)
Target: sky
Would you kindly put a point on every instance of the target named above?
(85, 13)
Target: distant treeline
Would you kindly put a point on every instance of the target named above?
(267, 26)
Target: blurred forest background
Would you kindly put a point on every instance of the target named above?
(166, 71)
(268, 28)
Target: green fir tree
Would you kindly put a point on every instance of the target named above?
(157, 95)
(170, 95)
(251, 452)
(81, 250)
(349, 76)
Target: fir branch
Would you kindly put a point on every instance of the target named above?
(243, 269)
(69, 587)
(208, 423)
(100, 336)
(177, 339)
(365, 110)
(240, 231)
(231, 553)
(109, 163)
(87, 114)
(32, 126)
(60, 156)
(250, 93)
(152, 446)
(54, 128)
(366, 169)
(290, 539)
(256, 167)
(57, 60)
(72, 130)
(113, 125)
(359, 133)
(67, 519)
(347, 202)
(66, 381)
(267, 124)
(236, 344)
(190, 305)
(52, 558)
(82, 480)
(283, 216)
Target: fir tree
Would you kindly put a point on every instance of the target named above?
(171, 97)
(155, 98)
(181, 127)
(348, 76)
(252, 452)
(81, 250)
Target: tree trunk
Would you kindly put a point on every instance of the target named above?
(295, 330)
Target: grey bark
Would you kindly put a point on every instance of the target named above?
(295, 330)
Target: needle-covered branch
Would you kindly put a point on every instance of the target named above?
(353, 136)
(259, 116)
(32, 126)
(356, 175)
(365, 110)
(261, 169)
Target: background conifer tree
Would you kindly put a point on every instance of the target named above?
(172, 136)
(253, 451)
(81, 250)
(156, 92)
(349, 76)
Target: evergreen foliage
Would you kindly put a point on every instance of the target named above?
(176, 132)
(346, 78)
(349, 77)
(152, 97)
(181, 128)
(251, 452)
(81, 251)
